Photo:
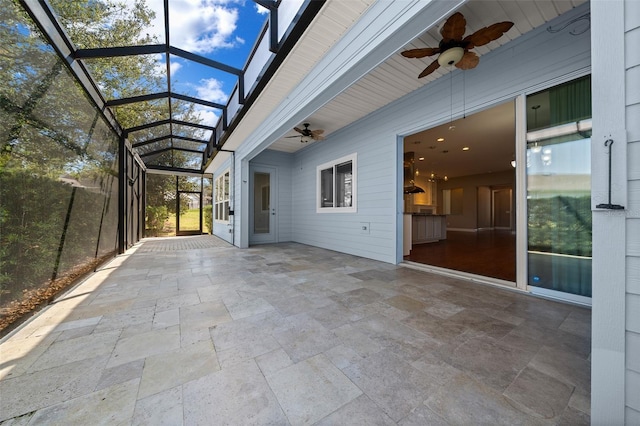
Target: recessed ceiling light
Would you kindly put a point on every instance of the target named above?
(440, 139)
(421, 158)
(466, 148)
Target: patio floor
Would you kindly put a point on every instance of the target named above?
(190, 330)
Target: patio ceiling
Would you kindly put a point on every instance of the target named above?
(398, 76)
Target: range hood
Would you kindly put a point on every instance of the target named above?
(409, 174)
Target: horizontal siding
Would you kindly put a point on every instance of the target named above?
(633, 276)
(632, 417)
(343, 231)
(632, 98)
(633, 188)
(632, 386)
(633, 148)
(632, 351)
(633, 313)
(633, 242)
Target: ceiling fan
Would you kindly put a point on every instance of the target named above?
(308, 134)
(453, 49)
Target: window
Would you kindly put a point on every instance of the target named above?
(336, 186)
(221, 197)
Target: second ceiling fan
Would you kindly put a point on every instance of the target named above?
(307, 134)
(453, 49)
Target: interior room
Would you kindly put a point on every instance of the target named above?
(459, 191)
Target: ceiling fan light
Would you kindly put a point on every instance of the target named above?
(450, 56)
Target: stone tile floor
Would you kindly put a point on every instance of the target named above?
(193, 331)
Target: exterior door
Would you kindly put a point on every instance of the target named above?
(189, 219)
(263, 207)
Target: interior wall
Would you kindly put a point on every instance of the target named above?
(484, 207)
(468, 220)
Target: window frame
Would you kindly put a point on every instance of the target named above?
(221, 198)
(354, 193)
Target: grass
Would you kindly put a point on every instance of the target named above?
(188, 222)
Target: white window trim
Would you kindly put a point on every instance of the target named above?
(354, 185)
(219, 186)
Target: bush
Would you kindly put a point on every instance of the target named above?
(155, 219)
(208, 218)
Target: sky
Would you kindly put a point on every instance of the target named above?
(222, 30)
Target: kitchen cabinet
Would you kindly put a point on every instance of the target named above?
(426, 228)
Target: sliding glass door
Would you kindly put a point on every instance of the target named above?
(559, 188)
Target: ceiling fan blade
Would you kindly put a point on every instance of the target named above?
(487, 34)
(469, 60)
(431, 68)
(454, 28)
(420, 53)
(317, 132)
(317, 137)
(299, 130)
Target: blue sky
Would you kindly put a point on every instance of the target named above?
(223, 30)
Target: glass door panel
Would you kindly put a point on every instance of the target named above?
(262, 221)
(559, 189)
(262, 203)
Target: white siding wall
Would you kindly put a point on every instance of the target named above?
(632, 106)
(283, 162)
(376, 186)
(535, 61)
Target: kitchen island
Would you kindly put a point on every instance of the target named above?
(427, 227)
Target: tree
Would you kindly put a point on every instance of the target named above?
(58, 156)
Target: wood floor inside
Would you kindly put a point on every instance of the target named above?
(489, 253)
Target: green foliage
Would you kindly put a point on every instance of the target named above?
(155, 219)
(560, 225)
(34, 211)
(58, 157)
(208, 218)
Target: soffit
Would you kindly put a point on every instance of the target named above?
(335, 18)
(397, 76)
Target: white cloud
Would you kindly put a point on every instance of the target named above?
(199, 26)
(261, 10)
(161, 67)
(208, 116)
(210, 89)
(175, 66)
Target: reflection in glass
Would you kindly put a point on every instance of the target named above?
(344, 174)
(559, 190)
(326, 189)
(261, 202)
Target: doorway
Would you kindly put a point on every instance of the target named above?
(262, 202)
(189, 213)
(465, 169)
(502, 204)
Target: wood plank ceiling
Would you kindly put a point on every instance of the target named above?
(397, 76)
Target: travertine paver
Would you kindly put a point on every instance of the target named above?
(190, 330)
